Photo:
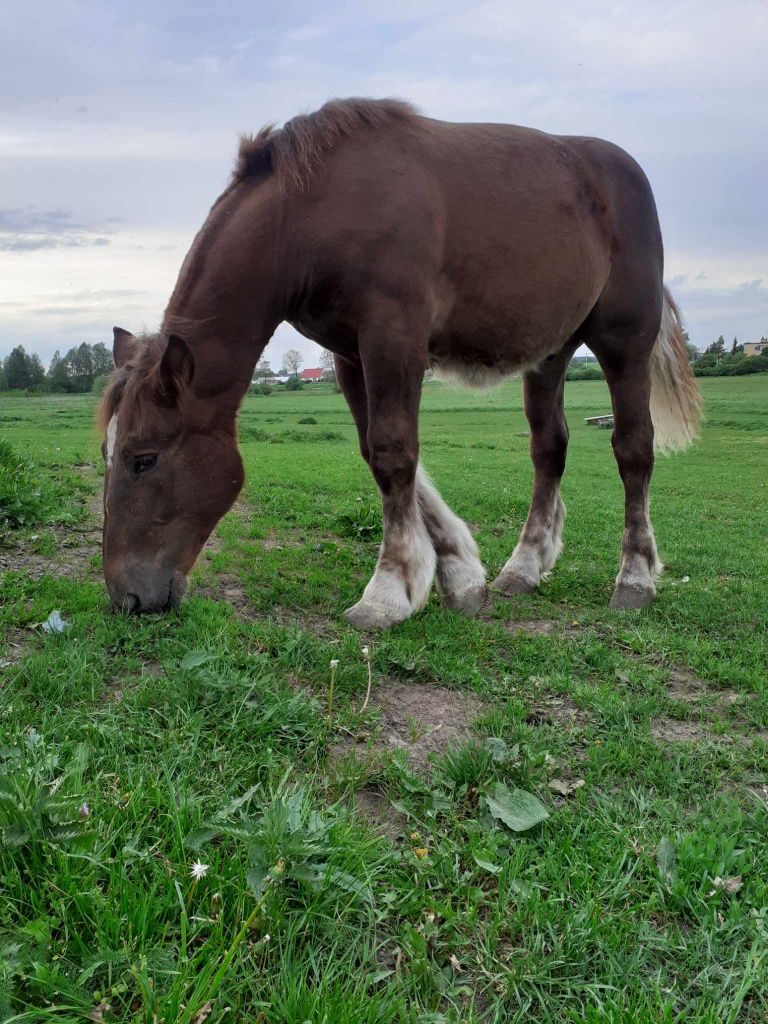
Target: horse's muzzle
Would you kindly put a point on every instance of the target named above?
(160, 596)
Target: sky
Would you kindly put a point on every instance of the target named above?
(119, 124)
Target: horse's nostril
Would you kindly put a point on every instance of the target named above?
(131, 603)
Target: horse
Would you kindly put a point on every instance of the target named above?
(401, 243)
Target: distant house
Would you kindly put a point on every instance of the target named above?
(755, 348)
(312, 374)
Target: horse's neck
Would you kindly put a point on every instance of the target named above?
(228, 298)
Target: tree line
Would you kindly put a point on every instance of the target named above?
(719, 360)
(84, 368)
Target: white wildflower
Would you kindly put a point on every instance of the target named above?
(199, 870)
(334, 663)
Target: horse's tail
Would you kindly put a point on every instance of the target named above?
(675, 395)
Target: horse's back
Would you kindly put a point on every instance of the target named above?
(507, 232)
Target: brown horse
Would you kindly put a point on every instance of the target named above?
(401, 243)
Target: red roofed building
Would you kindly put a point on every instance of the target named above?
(313, 374)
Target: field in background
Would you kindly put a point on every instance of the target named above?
(359, 869)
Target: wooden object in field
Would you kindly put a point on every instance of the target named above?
(600, 421)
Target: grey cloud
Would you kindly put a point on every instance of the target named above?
(709, 312)
(31, 220)
(34, 243)
(30, 229)
(169, 86)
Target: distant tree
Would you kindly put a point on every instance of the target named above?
(693, 352)
(263, 371)
(36, 371)
(58, 374)
(717, 348)
(327, 364)
(17, 369)
(292, 361)
(102, 359)
(3, 378)
(80, 362)
(736, 347)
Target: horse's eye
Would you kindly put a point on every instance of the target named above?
(144, 462)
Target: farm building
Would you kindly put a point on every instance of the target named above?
(311, 374)
(755, 348)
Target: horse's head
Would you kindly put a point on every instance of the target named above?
(172, 471)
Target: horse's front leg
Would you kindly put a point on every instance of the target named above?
(460, 573)
(393, 367)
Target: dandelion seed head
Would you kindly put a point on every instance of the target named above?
(198, 870)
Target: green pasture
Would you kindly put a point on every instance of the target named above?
(553, 813)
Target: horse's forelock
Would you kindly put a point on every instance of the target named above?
(110, 399)
(130, 380)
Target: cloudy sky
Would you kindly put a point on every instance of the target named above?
(119, 124)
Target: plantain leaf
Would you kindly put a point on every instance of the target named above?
(518, 809)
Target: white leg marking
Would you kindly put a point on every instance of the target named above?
(640, 567)
(460, 573)
(403, 578)
(539, 547)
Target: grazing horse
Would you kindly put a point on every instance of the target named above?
(401, 243)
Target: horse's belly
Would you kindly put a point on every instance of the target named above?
(483, 366)
(486, 327)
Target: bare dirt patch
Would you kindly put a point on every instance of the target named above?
(16, 641)
(223, 586)
(75, 546)
(212, 546)
(378, 811)
(670, 730)
(536, 627)
(689, 689)
(117, 686)
(421, 720)
(539, 627)
(557, 710)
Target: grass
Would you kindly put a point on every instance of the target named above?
(343, 885)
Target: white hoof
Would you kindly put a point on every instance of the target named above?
(366, 615)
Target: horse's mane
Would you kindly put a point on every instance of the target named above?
(293, 152)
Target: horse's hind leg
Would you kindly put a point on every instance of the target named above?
(629, 379)
(622, 332)
(540, 541)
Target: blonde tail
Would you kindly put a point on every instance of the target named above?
(675, 395)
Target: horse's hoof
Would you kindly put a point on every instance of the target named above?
(626, 597)
(373, 616)
(509, 584)
(468, 602)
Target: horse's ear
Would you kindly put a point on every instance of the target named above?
(124, 346)
(177, 367)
